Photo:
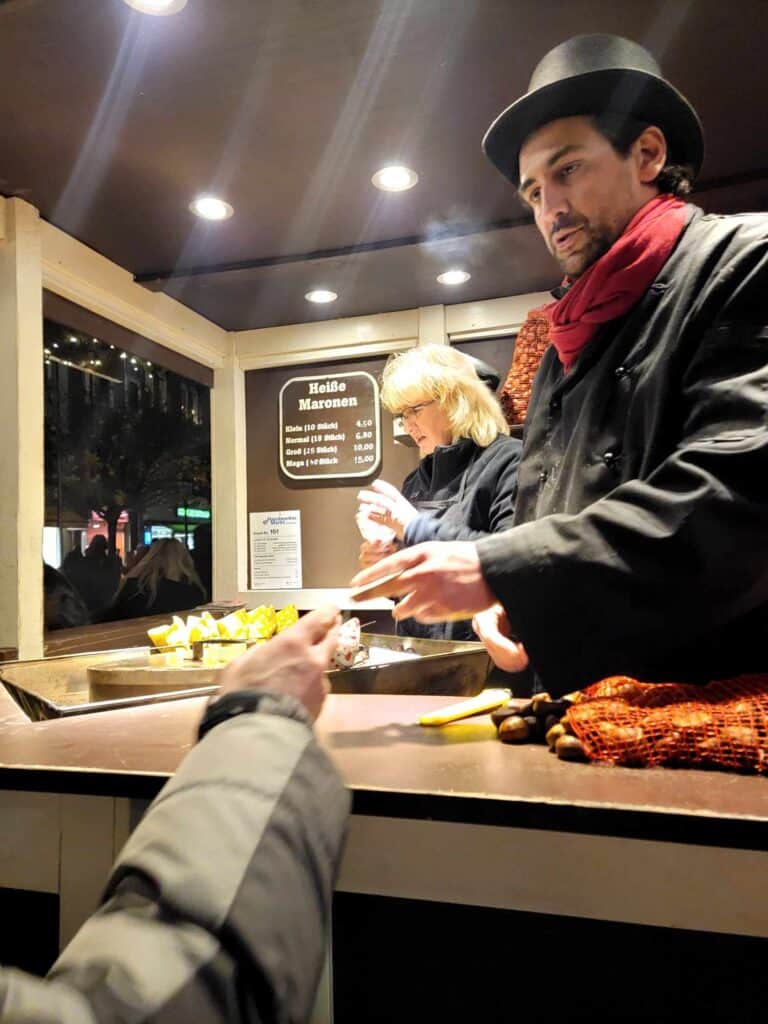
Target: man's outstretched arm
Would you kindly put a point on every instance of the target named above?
(217, 907)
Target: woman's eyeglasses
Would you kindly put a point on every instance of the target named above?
(411, 411)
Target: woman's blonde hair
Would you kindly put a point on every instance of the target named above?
(444, 375)
(166, 559)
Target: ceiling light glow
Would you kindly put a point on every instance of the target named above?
(158, 7)
(211, 208)
(453, 277)
(395, 178)
(321, 295)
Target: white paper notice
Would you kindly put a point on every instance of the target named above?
(276, 550)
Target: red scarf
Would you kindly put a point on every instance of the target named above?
(619, 279)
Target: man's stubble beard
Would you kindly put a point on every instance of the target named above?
(597, 244)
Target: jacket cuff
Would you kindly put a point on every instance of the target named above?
(420, 529)
(516, 570)
(237, 702)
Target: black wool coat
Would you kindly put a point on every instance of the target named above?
(640, 543)
(465, 492)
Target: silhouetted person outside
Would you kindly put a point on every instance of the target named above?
(63, 606)
(202, 556)
(165, 580)
(95, 575)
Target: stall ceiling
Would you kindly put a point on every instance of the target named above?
(113, 121)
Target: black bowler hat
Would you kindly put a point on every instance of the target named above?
(596, 74)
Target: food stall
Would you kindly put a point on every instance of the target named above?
(447, 822)
(482, 880)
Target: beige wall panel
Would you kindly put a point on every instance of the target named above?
(29, 841)
(601, 877)
(21, 429)
(88, 836)
(491, 316)
(85, 277)
(432, 325)
(229, 482)
(359, 337)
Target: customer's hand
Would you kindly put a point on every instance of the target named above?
(372, 551)
(294, 662)
(437, 582)
(388, 507)
(492, 626)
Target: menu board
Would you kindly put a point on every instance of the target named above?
(330, 426)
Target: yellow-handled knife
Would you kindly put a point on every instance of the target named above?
(485, 701)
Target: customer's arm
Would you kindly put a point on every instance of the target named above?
(217, 907)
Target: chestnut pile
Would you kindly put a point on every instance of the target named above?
(543, 719)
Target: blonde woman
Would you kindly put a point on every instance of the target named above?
(464, 486)
(165, 580)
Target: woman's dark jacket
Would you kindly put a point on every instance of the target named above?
(641, 530)
(171, 596)
(466, 492)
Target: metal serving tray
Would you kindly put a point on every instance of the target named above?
(59, 687)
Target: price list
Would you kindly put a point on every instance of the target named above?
(330, 426)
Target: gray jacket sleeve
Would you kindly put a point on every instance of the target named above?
(217, 908)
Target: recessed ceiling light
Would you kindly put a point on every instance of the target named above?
(321, 295)
(157, 6)
(395, 178)
(211, 208)
(453, 277)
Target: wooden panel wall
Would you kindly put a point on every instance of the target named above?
(330, 539)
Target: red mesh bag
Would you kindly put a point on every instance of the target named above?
(530, 345)
(721, 725)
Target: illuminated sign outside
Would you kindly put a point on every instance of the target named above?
(193, 513)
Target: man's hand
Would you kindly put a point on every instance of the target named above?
(492, 626)
(388, 507)
(372, 551)
(294, 662)
(438, 582)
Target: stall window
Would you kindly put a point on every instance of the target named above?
(127, 451)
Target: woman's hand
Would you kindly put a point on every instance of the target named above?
(492, 626)
(388, 507)
(372, 551)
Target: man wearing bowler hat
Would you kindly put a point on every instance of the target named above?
(640, 543)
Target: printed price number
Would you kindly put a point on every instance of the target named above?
(367, 447)
(361, 460)
(362, 435)
(361, 424)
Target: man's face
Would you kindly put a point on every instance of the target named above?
(582, 193)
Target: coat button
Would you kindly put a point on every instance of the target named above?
(542, 476)
(555, 404)
(609, 458)
(619, 372)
